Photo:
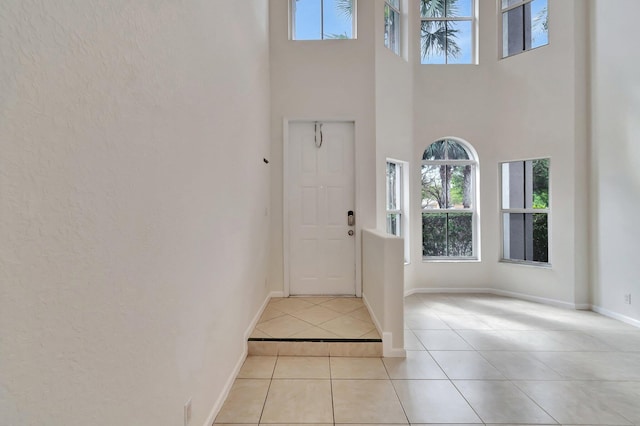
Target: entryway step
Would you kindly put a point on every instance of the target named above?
(316, 347)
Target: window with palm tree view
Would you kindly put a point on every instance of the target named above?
(397, 202)
(449, 208)
(447, 31)
(525, 25)
(322, 19)
(525, 211)
(392, 25)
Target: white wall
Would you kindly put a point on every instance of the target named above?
(394, 109)
(528, 106)
(383, 287)
(133, 234)
(322, 80)
(615, 147)
(517, 108)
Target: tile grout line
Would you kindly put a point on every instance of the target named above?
(535, 402)
(333, 407)
(264, 404)
(341, 314)
(507, 379)
(395, 391)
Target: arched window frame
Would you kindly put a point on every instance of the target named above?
(428, 208)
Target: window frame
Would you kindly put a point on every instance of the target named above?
(531, 210)
(397, 29)
(402, 189)
(292, 22)
(474, 32)
(501, 12)
(474, 210)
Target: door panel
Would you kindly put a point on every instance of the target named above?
(321, 192)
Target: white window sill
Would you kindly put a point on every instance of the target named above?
(450, 260)
(526, 263)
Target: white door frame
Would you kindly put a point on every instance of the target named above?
(286, 173)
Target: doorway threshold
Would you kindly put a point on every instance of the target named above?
(316, 326)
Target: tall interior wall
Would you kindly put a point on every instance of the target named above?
(133, 198)
(322, 80)
(522, 107)
(527, 106)
(393, 104)
(615, 156)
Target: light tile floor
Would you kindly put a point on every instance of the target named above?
(316, 317)
(472, 359)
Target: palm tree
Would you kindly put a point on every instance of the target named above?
(441, 190)
(345, 7)
(438, 190)
(438, 36)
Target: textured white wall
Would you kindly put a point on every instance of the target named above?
(615, 148)
(133, 233)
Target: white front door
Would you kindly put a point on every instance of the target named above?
(320, 197)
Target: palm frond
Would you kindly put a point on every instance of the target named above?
(345, 8)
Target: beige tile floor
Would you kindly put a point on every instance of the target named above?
(472, 359)
(316, 317)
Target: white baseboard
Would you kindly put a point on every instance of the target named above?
(607, 313)
(372, 314)
(446, 290)
(497, 292)
(227, 388)
(388, 351)
(583, 306)
(543, 300)
(232, 377)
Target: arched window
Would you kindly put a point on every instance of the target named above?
(449, 205)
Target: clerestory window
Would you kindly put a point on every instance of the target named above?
(449, 202)
(323, 19)
(525, 25)
(448, 31)
(392, 25)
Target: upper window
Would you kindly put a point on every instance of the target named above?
(525, 211)
(525, 25)
(447, 31)
(392, 25)
(322, 19)
(449, 207)
(397, 202)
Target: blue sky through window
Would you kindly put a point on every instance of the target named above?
(539, 13)
(459, 32)
(310, 15)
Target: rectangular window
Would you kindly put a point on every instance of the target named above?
(525, 211)
(447, 31)
(525, 25)
(397, 202)
(322, 19)
(392, 25)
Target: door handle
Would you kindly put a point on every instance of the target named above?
(351, 219)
